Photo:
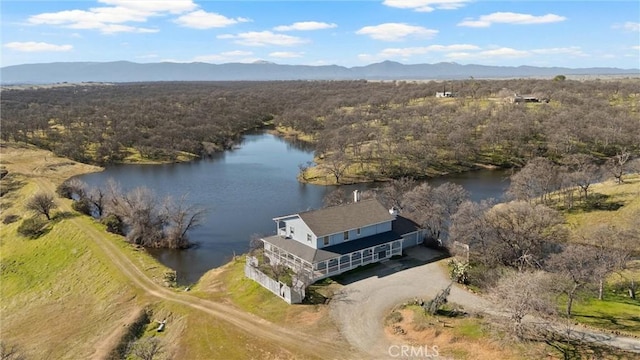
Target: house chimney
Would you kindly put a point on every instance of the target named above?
(356, 196)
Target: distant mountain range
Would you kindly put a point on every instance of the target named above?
(124, 71)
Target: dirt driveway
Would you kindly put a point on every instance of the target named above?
(367, 297)
(361, 305)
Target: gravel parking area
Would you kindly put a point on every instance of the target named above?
(361, 305)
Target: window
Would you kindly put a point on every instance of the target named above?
(326, 240)
(346, 235)
(309, 237)
(358, 231)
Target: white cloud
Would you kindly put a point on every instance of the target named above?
(305, 26)
(637, 47)
(572, 50)
(628, 26)
(227, 56)
(112, 19)
(154, 6)
(106, 20)
(510, 53)
(396, 31)
(285, 54)
(201, 19)
(263, 38)
(511, 18)
(426, 5)
(32, 46)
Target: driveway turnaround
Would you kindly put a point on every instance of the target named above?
(360, 307)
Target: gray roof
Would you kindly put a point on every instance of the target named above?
(312, 255)
(341, 218)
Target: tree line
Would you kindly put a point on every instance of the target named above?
(381, 129)
(518, 252)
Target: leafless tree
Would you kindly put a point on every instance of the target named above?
(538, 178)
(179, 219)
(469, 225)
(147, 349)
(612, 250)
(98, 199)
(335, 197)
(433, 207)
(336, 164)
(575, 268)
(583, 172)
(524, 293)
(391, 195)
(516, 234)
(617, 165)
(41, 203)
(72, 187)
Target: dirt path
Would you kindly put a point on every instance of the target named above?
(295, 341)
(44, 169)
(360, 307)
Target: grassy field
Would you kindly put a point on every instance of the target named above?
(63, 297)
(60, 294)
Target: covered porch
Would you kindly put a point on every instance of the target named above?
(316, 264)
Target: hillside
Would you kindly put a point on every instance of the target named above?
(78, 292)
(124, 71)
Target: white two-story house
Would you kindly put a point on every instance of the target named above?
(327, 242)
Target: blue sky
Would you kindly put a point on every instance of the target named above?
(348, 33)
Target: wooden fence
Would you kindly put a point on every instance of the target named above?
(288, 294)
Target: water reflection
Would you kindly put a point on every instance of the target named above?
(242, 190)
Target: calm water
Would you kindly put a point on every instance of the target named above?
(242, 190)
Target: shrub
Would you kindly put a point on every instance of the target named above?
(70, 188)
(11, 218)
(33, 227)
(83, 206)
(114, 224)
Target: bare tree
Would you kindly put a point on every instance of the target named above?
(575, 267)
(583, 172)
(179, 219)
(612, 250)
(72, 187)
(98, 199)
(522, 294)
(335, 197)
(147, 349)
(392, 193)
(434, 207)
(469, 226)
(41, 203)
(538, 178)
(516, 234)
(336, 164)
(617, 164)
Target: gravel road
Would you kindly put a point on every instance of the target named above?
(361, 305)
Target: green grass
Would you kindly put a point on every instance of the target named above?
(470, 329)
(614, 312)
(250, 296)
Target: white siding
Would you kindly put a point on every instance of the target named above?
(300, 232)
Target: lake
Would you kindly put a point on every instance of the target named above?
(243, 189)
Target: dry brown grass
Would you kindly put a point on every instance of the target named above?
(451, 337)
